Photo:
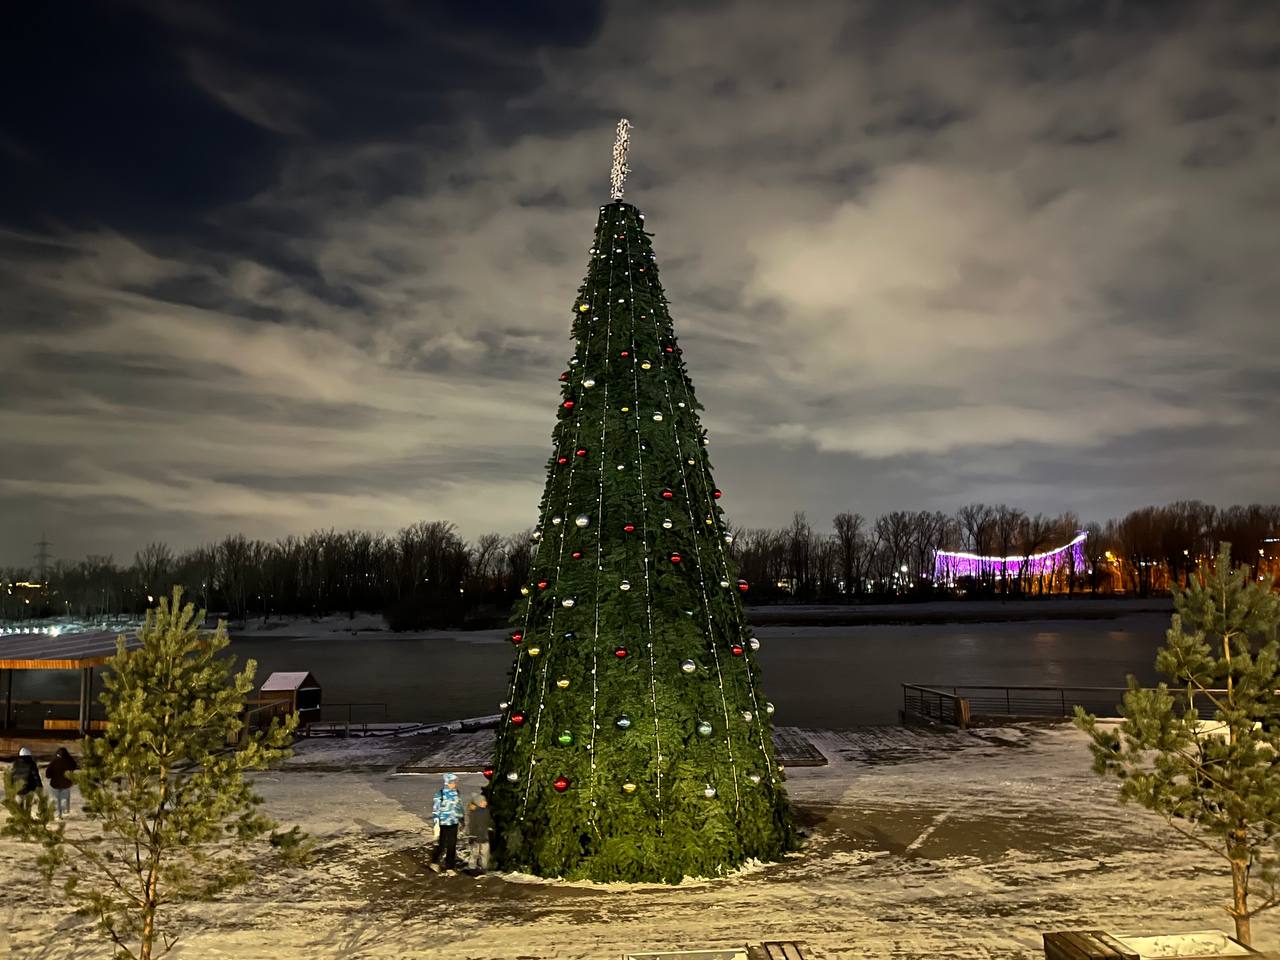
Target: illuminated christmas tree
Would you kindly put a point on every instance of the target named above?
(636, 742)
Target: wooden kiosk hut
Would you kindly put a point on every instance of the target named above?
(301, 691)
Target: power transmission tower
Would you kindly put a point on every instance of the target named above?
(42, 558)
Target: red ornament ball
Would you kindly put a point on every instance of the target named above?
(676, 558)
(564, 377)
(568, 404)
(561, 784)
(736, 649)
(629, 528)
(625, 353)
(716, 494)
(488, 773)
(518, 718)
(668, 495)
(577, 554)
(581, 451)
(517, 637)
(620, 652)
(742, 585)
(562, 460)
(542, 584)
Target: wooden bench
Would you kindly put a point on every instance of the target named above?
(778, 950)
(74, 725)
(1085, 945)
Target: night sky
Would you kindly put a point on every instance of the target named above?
(269, 267)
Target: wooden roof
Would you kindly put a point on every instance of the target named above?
(284, 680)
(70, 651)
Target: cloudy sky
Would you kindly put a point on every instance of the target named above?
(279, 266)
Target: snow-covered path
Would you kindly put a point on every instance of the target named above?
(925, 844)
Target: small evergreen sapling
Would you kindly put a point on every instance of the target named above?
(1216, 782)
(173, 815)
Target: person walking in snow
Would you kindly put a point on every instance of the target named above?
(446, 814)
(26, 776)
(59, 773)
(479, 826)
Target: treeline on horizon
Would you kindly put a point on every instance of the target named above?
(426, 575)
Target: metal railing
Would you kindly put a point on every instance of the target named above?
(931, 704)
(342, 727)
(960, 704)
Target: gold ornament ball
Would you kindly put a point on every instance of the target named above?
(534, 651)
(563, 683)
(628, 787)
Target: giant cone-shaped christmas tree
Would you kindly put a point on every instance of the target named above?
(636, 741)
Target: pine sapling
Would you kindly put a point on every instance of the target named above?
(1215, 781)
(173, 816)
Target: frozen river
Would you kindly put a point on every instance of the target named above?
(818, 676)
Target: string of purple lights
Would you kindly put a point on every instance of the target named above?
(951, 565)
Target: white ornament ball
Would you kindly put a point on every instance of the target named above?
(568, 602)
(725, 583)
(728, 538)
(746, 715)
(680, 404)
(667, 524)
(625, 585)
(503, 705)
(622, 466)
(537, 535)
(557, 520)
(753, 777)
(581, 520)
(588, 383)
(513, 776)
(753, 643)
(688, 666)
(709, 792)
(657, 417)
(768, 708)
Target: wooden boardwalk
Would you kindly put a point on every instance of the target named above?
(471, 752)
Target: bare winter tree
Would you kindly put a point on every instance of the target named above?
(1006, 525)
(851, 549)
(153, 568)
(977, 528)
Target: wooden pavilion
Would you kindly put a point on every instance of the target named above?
(43, 651)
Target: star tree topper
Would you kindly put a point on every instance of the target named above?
(620, 169)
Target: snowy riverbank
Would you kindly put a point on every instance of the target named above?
(925, 843)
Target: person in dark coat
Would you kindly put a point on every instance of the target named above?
(26, 776)
(479, 829)
(59, 773)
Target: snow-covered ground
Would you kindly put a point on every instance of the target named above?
(924, 844)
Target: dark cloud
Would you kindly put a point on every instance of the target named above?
(276, 267)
